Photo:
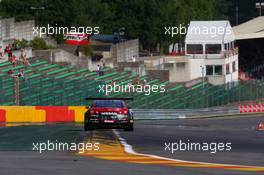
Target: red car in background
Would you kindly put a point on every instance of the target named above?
(76, 39)
(109, 113)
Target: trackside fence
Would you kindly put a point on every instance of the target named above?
(42, 91)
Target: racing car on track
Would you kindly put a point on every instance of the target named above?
(108, 113)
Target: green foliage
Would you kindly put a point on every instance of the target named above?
(221, 8)
(20, 43)
(38, 44)
(143, 19)
(86, 50)
(59, 39)
(246, 10)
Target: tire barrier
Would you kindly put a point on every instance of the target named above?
(251, 108)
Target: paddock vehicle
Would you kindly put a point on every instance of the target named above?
(76, 39)
(108, 113)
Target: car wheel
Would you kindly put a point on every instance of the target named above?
(87, 127)
(129, 128)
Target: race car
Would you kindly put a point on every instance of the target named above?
(108, 113)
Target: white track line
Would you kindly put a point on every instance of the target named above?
(129, 149)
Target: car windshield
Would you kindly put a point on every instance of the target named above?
(108, 104)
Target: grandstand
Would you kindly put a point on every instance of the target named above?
(49, 84)
(249, 40)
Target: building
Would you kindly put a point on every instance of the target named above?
(112, 50)
(250, 40)
(127, 51)
(209, 54)
(210, 50)
(11, 30)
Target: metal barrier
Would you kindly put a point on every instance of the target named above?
(38, 90)
(76, 113)
(158, 114)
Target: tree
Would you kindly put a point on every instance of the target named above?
(86, 50)
(143, 19)
(38, 44)
(20, 43)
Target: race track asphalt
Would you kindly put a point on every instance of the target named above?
(149, 137)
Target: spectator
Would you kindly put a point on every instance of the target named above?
(11, 73)
(1, 53)
(13, 60)
(101, 70)
(133, 58)
(144, 82)
(8, 50)
(21, 74)
(23, 55)
(26, 62)
(98, 69)
(136, 80)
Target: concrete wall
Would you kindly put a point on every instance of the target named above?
(153, 62)
(62, 56)
(179, 74)
(163, 75)
(196, 69)
(137, 67)
(11, 30)
(24, 30)
(50, 41)
(216, 80)
(125, 51)
(7, 31)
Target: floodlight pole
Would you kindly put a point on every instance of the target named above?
(16, 91)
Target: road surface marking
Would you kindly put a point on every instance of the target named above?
(117, 149)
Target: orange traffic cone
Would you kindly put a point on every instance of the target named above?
(261, 126)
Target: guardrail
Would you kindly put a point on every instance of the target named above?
(158, 114)
(76, 113)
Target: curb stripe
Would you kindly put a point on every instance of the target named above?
(117, 149)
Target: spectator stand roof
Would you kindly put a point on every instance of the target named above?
(251, 29)
(210, 32)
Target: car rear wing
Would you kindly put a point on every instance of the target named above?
(104, 98)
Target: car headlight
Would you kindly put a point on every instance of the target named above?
(122, 117)
(94, 116)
